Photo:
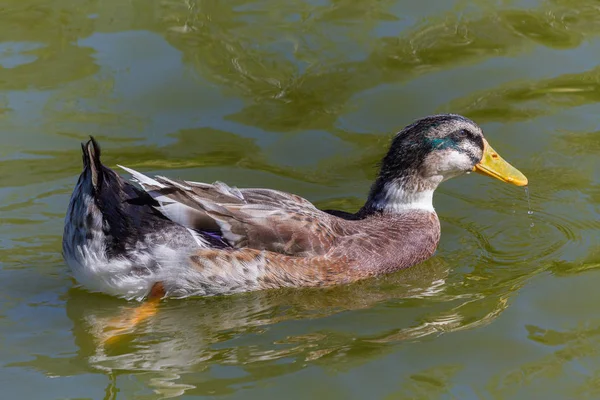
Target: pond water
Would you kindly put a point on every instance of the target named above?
(303, 96)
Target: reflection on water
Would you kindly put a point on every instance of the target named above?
(195, 334)
(302, 96)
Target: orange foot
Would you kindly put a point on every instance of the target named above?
(130, 318)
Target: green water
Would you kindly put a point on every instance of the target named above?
(302, 96)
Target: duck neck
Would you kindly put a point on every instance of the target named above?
(400, 195)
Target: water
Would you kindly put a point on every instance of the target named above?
(529, 210)
(302, 96)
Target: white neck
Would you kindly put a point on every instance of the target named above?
(394, 198)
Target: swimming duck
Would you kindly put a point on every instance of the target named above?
(178, 238)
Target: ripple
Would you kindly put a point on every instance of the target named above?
(511, 231)
(509, 241)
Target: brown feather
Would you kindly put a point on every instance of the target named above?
(362, 250)
(261, 219)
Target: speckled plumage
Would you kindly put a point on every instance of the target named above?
(207, 239)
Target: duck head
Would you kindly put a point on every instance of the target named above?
(428, 152)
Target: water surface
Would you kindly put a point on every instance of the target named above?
(303, 96)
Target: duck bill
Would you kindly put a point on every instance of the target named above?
(493, 165)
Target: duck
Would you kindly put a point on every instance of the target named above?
(156, 237)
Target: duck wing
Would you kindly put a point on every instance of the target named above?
(261, 219)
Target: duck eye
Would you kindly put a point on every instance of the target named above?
(465, 133)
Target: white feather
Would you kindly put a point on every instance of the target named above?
(395, 198)
(172, 182)
(141, 178)
(199, 240)
(179, 213)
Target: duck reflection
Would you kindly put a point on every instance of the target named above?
(284, 328)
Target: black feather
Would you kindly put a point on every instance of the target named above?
(129, 214)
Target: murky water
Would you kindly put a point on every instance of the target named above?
(302, 96)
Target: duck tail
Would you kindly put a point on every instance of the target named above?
(91, 160)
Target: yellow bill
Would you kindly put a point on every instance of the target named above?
(493, 165)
